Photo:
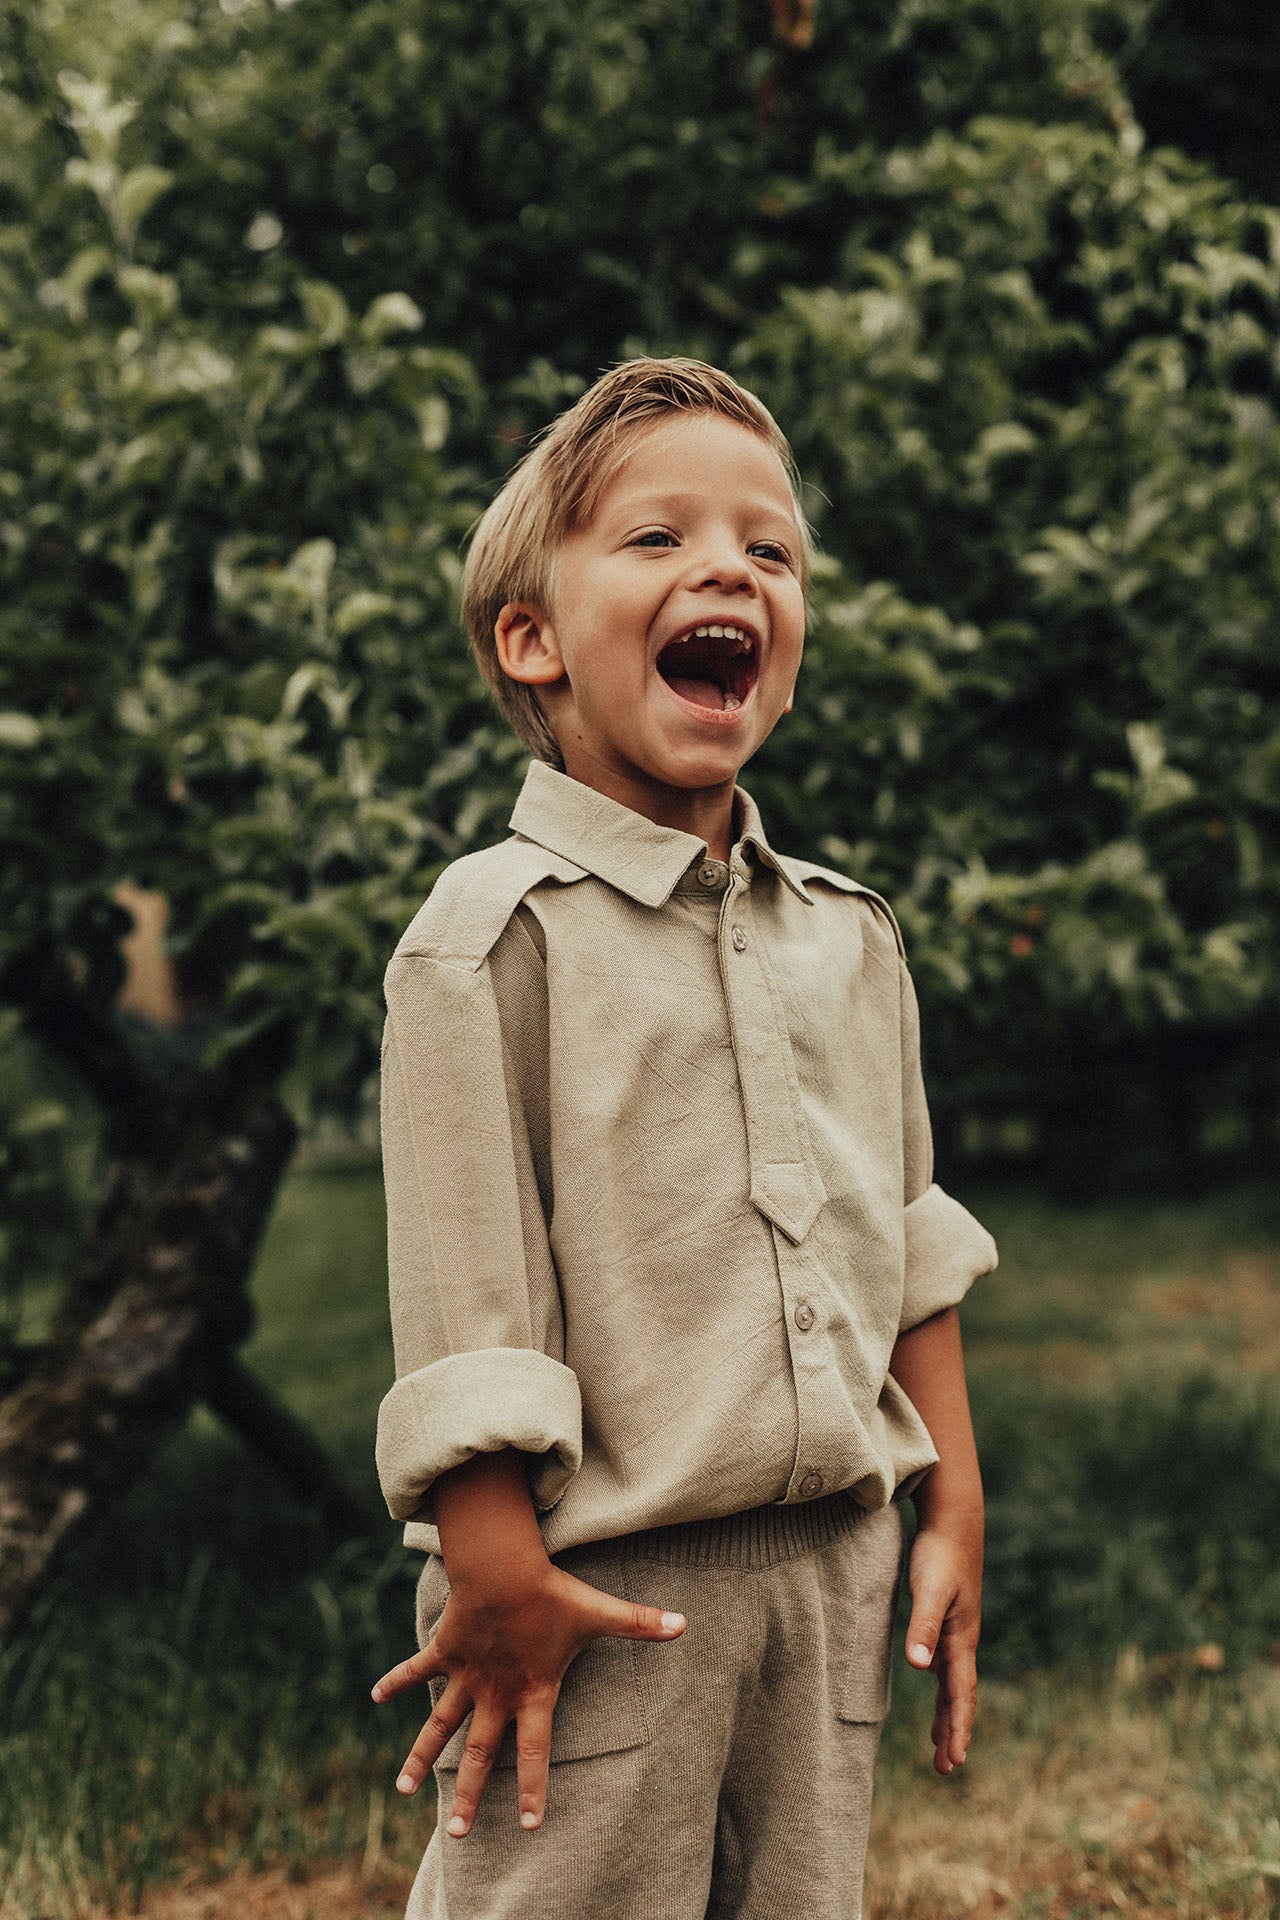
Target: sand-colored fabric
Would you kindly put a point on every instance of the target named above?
(659, 1177)
(727, 1773)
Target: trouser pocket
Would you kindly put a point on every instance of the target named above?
(863, 1694)
(600, 1708)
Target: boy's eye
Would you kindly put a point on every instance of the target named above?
(770, 550)
(656, 536)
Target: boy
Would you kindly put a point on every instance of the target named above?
(672, 1290)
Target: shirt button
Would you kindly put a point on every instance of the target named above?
(805, 1316)
(739, 939)
(811, 1485)
(711, 873)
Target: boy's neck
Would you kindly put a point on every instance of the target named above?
(706, 812)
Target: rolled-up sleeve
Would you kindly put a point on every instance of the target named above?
(946, 1248)
(475, 1306)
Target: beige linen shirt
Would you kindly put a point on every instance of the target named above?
(659, 1177)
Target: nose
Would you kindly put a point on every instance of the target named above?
(721, 563)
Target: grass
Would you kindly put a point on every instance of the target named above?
(1112, 1297)
(190, 1704)
(1150, 1790)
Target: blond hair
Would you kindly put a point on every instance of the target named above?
(558, 485)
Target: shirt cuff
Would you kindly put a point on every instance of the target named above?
(478, 1402)
(946, 1251)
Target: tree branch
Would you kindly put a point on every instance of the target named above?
(271, 1432)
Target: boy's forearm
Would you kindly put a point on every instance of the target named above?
(487, 1521)
(946, 1555)
(928, 1364)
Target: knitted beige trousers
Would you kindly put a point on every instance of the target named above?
(727, 1773)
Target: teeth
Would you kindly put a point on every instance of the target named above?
(717, 632)
(731, 700)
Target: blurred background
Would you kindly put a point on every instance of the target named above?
(285, 287)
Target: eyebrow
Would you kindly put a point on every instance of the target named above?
(756, 508)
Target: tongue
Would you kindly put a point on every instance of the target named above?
(703, 693)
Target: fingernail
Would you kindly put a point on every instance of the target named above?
(457, 1826)
(672, 1622)
(528, 1819)
(919, 1652)
(377, 1693)
(406, 1783)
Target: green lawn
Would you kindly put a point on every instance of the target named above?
(195, 1684)
(323, 1339)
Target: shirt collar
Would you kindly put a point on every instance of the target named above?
(753, 835)
(620, 846)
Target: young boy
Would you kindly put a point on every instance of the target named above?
(672, 1290)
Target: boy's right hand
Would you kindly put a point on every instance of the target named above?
(504, 1649)
(512, 1625)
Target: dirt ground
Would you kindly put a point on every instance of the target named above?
(1008, 1868)
(1136, 1803)
(336, 1891)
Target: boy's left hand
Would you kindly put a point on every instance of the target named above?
(946, 1610)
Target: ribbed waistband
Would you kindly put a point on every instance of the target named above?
(760, 1537)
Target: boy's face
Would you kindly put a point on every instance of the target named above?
(697, 531)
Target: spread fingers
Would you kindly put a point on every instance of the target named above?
(533, 1757)
(962, 1693)
(436, 1734)
(410, 1673)
(483, 1740)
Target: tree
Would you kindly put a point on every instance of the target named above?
(246, 723)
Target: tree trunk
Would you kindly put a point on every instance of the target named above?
(243, 1404)
(157, 1305)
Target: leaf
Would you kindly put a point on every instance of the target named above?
(100, 176)
(43, 1116)
(96, 117)
(358, 609)
(327, 312)
(304, 680)
(182, 367)
(1158, 785)
(391, 313)
(433, 423)
(1004, 438)
(137, 193)
(19, 730)
(153, 296)
(1146, 744)
(310, 570)
(79, 275)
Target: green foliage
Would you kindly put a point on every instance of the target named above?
(194, 696)
(283, 290)
(1047, 407)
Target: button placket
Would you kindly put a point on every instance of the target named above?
(785, 1184)
(818, 1462)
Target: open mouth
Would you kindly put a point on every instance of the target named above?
(714, 666)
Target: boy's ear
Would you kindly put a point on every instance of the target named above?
(526, 642)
